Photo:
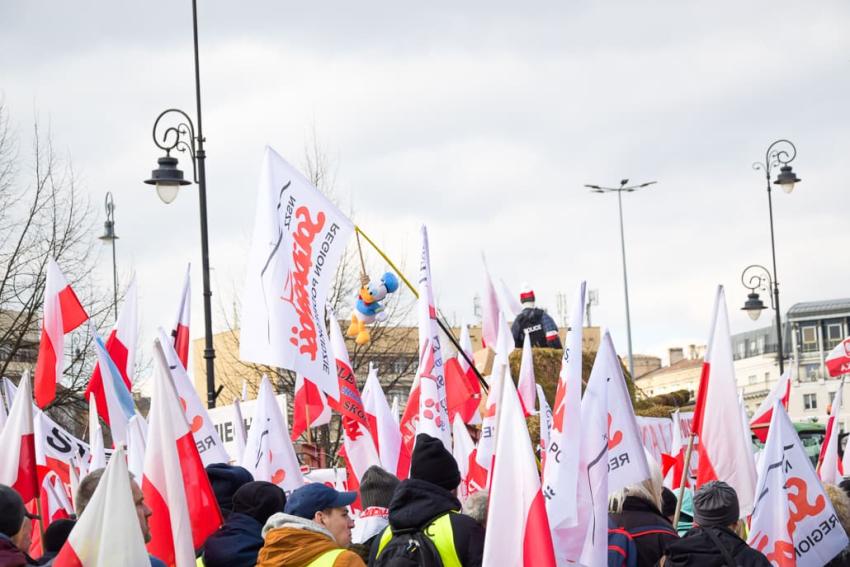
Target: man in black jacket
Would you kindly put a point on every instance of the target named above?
(540, 327)
(713, 541)
(427, 497)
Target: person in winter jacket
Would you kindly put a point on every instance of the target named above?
(636, 509)
(713, 542)
(238, 541)
(540, 327)
(376, 490)
(225, 480)
(427, 497)
(841, 503)
(15, 529)
(314, 530)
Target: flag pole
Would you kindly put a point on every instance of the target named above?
(307, 415)
(442, 325)
(40, 518)
(685, 469)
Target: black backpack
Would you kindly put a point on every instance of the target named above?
(409, 548)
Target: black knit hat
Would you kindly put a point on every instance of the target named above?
(259, 499)
(57, 534)
(432, 462)
(12, 511)
(716, 504)
(377, 487)
(225, 481)
(668, 502)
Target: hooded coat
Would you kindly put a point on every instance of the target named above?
(651, 531)
(417, 502)
(234, 544)
(697, 549)
(292, 541)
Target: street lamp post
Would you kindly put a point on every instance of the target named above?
(168, 179)
(619, 190)
(779, 154)
(110, 237)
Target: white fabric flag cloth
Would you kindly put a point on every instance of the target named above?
(724, 452)
(239, 433)
(490, 310)
(17, 441)
(108, 531)
(299, 237)
(517, 526)
(525, 385)
(793, 517)
(433, 412)
(137, 442)
(269, 454)
(462, 448)
(98, 453)
(3, 412)
(838, 359)
(510, 303)
(560, 474)
(830, 468)
(119, 401)
(384, 427)
(781, 391)
(545, 413)
(203, 430)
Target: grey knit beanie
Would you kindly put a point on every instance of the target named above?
(377, 487)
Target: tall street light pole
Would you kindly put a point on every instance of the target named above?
(168, 179)
(624, 186)
(109, 237)
(779, 154)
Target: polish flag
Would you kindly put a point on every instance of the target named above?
(203, 429)
(794, 522)
(469, 372)
(360, 450)
(62, 314)
(545, 414)
(525, 386)
(309, 401)
(108, 531)
(723, 454)
(382, 425)
(18, 465)
(462, 450)
(55, 505)
(673, 464)
(269, 454)
(137, 442)
(838, 359)
(489, 311)
(180, 332)
(121, 346)
(98, 453)
(518, 527)
(174, 483)
(830, 468)
(560, 475)
(761, 418)
(119, 401)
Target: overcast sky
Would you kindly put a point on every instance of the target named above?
(482, 120)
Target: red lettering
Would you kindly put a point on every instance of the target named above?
(798, 500)
(302, 250)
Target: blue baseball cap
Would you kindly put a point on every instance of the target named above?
(304, 502)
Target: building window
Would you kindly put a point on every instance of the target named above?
(753, 379)
(760, 345)
(809, 336)
(742, 349)
(833, 335)
(810, 372)
(810, 401)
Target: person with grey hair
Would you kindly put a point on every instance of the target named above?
(86, 490)
(475, 507)
(713, 541)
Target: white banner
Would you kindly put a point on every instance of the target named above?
(299, 237)
(224, 420)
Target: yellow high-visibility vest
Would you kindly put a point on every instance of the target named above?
(440, 533)
(326, 559)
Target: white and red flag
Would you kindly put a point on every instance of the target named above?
(180, 332)
(382, 425)
(174, 483)
(269, 454)
(838, 359)
(673, 463)
(723, 454)
(469, 372)
(121, 346)
(463, 448)
(63, 313)
(526, 383)
(545, 413)
(55, 505)
(119, 401)
(108, 531)
(517, 527)
(761, 417)
(560, 475)
(98, 452)
(309, 407)
(203, 429)
(490, 310)
(460, 398)
(794, 522)
(17, 441)
(299, 237)
(830, 468)
(56, 448)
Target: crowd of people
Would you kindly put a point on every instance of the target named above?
(417, 521)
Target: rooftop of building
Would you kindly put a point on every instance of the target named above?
(821, 308)
(684, 364)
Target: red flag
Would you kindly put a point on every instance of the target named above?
(180, 332)
(62, 314)
(460, 399)
(55, 505)
(17, 441)
(309, 400)
(761, 418)
(121, 346)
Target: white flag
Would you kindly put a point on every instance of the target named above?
(98, 455)
(545, 413)
(382, 424)
(525, 386)
(299, 237)
(462, 448)
(830, 468)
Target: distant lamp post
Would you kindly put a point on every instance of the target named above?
(624, 186)
(779, 154)
(109, 237)
(168, 178)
